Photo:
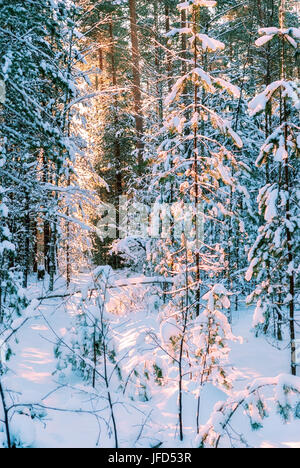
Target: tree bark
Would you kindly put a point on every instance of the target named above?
(118, 190)
(291, 279)
(196, 168)
(6, 419)
(27, 242)
(169, 55)
(157, 52)
(137, 94)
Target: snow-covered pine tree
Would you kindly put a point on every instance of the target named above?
(200, 347)
(36, 71)
(34, 149)
(239, 229)
(195, 171)
(274, 257)
(195, 166)
(13, 301)
(12, 295)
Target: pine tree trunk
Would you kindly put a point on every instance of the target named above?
(47, 235)
(157, 53)
(291, 279)
(169, 56)
(27, 242)
(196, 169)
(137, 94)
(6, 418)
(52, 256)
(184, 42)
(118, 189)
(68, 249)
(40, 249)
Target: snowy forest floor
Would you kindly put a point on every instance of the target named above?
(34, 363)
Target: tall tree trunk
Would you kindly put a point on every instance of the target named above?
(184, 42)
(68, 247)
(137, 94)
(159, 92)
(118, 189)
(196, 168)
(27, 242)
(169, 55)
(52, 254)
(6, 418)
(291, 279)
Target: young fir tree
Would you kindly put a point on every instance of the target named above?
(275, 255)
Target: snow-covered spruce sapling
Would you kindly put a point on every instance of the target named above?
(88, 349)
(213, 331)
(132, 251)
(184, 355)
(254, 402)
(274, 257)
(199, 346)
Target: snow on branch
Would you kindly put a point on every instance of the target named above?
(292, 35)
(191, 3)
(289, 89)
(253, 403)
(208, 43)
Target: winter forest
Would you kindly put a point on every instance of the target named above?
(149, 224)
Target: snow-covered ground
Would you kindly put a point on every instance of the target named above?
(140, 424)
